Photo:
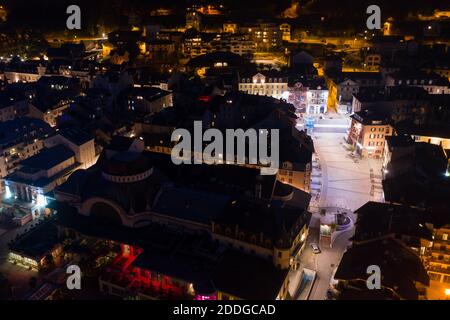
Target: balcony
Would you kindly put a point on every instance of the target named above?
(438, 240)
(439, 269)
(438, 250)
(441, 261)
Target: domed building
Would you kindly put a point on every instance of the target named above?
(120, 189)
(207, 232)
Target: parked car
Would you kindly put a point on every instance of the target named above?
(315, 248)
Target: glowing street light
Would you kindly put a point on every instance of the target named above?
(41, 201)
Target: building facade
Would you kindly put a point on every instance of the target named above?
(272, 84)
(431, 82)
(309, 96)
(21, 139)
(266, 35)
(438, 264)
(36, 176)
(368, 133)
(344, 85)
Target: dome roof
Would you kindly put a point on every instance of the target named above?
(126, 163)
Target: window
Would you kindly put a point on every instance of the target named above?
(279, 254)
(445, 237)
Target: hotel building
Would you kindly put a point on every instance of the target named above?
(271, 83)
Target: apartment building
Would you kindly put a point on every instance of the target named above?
(343, 85)
(398, 102)
(237, 43)
(438, 263)
(13, 106)
(266, 35)
(431, 82)
(368, 133)
(20, 139)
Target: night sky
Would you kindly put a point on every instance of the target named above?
(50, 14)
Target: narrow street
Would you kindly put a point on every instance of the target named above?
(339, 182)
(18, 276)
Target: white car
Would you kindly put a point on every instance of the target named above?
(315, 248)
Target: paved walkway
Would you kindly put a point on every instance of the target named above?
(339, 181)
(346, 182)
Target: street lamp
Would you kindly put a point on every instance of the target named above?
(447, 293)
